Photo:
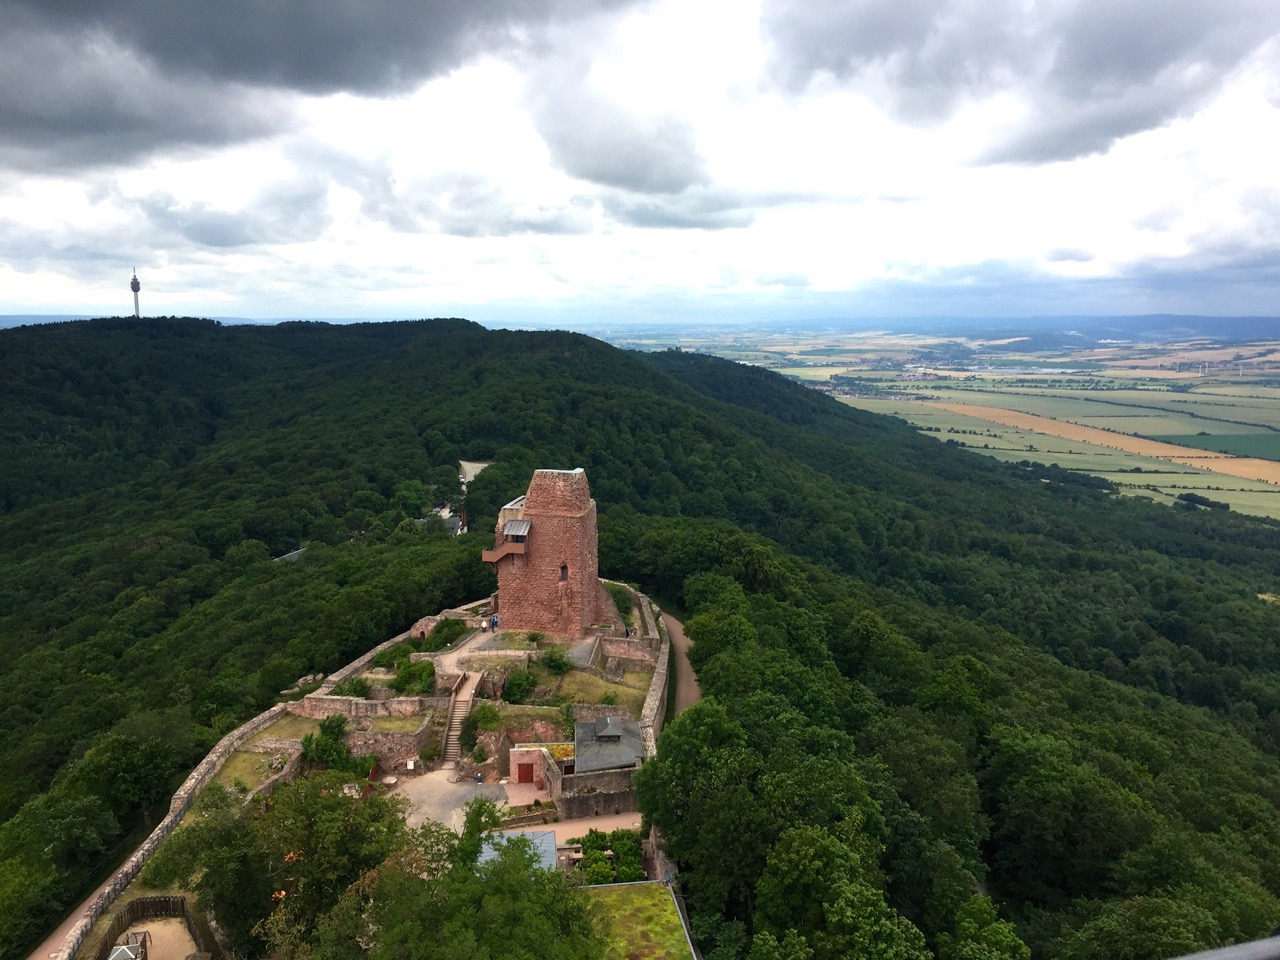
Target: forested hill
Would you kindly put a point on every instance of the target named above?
(929, 672)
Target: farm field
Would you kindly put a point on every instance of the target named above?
(1133, 472)
(1155, 418)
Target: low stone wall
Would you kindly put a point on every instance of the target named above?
(318, 706)
(284, 776)
(393, 750)
(546, 815)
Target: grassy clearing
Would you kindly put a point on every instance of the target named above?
(577, 686)
(250, 769)
(643, 922)
(514, 640)
(519, 714)
(289, 727)
(398, 724)
(637, 678)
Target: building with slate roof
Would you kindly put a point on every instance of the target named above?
(607, 744)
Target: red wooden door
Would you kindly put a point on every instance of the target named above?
(524, 773)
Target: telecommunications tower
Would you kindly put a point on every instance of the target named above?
(135, 286)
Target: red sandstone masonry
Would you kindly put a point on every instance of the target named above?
(553, 584)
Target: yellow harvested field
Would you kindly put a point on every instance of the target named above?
(1267, 471)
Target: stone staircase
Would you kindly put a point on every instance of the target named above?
(457, 713)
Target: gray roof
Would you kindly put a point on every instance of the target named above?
(544, 845)
(516, 528)
(606, 744)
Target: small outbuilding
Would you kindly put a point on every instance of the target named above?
(607, 744)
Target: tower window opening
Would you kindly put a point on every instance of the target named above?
(564, 573)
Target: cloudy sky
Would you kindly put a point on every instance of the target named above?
(664, 160)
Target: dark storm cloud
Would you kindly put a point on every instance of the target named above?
(82, 100)
(1092, 70)
(363, 46)
(95, 82)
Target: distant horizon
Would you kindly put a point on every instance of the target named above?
(1154, 325)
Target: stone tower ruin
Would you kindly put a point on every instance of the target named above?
(544, 554)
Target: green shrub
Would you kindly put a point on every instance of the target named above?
(622, 597)
(519, 686)
(486, 716)
(352, 687)
(414, 677)
(446, 632)
(609, 699)
(478, 755)
(535, 637)
(386, 659)
(467, 732)
(556, 661)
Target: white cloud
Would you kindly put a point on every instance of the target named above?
(650, 154)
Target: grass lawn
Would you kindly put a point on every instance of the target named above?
(638, 678)
(516, 714)
(515, 640)
(251, 769)
(290, 727)
(399, 724)
(643, 922)
(577, 686)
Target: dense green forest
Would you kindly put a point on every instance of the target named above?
(954, 706)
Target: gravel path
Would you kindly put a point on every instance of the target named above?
(688, 692)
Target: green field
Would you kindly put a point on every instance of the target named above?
(1263, 445)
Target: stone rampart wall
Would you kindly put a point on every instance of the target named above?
(361, 663)
(318, 706)
(655, 704)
